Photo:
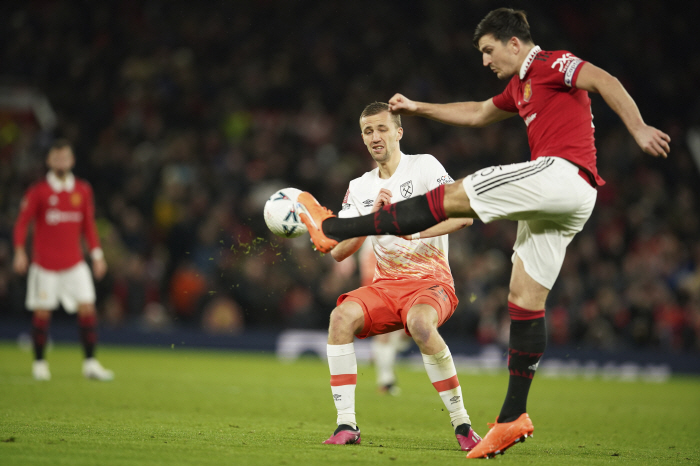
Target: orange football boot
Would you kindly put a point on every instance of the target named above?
(502, 436)
(312, 214)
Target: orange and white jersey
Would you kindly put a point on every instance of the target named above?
(398, 258)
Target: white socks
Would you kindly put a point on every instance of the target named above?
(384, 355)
(343, 366)
(442, 373)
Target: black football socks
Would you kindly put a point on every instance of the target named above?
(528, 340)
(403, 218)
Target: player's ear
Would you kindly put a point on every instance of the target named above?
(399, 133)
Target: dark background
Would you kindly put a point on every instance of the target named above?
(186, 116)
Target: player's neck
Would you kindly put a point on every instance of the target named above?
(388, 168)
(62, 175)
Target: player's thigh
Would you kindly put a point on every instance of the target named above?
(546, 188)
(76, 287)
(381, 308)
(440, 300)
(42, 288)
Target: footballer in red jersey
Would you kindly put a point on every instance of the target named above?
(62, 210)
(551, 196)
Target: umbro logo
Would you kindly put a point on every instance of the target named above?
(455, 399)
(368, 203)
(337, 396)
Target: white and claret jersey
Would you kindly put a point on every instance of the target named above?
(398, 258)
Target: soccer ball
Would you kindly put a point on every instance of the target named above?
(281, 216)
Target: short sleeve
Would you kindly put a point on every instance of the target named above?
(505, 100)
(434, 173)
(565, 68)
(349, 207)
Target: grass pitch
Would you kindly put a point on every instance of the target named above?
(181, 407)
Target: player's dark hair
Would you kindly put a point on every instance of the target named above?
(60, 143)
(503, 24)
(378, 107)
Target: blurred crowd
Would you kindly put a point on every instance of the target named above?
(186, 116)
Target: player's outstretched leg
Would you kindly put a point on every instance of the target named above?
(404, 218)
(502, 436)
(312, 214)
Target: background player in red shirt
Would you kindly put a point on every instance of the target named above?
(551, 196)
(62, 210)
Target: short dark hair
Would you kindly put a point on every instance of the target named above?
(503, 24)
(378, 107)
(60, 143)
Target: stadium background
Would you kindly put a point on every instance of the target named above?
(186, 117)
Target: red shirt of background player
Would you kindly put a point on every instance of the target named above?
(62, 214)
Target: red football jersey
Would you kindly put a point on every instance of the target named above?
(557, 114)
(62, 213)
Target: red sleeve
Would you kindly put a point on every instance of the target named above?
(565, 68)
(505, 100)
(27, 211)
(89, 227)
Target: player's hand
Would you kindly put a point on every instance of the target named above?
(20, 263)
(383, 198)
(99, 268)
(653, 141)
(402, 105)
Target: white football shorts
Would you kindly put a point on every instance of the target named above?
(70, 287)
(548, 198)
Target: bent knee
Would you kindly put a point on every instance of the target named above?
(348, 315)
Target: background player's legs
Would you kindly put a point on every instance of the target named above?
(87, 323)
(40, 331)
(345, 321)
(528, 339)
(384, 351)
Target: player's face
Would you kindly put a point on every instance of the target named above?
(381, 136)
(60, 161)
(498, 56)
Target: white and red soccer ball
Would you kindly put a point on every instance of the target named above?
(281, 216)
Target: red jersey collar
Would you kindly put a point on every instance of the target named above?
(528, 61)
(58, 185)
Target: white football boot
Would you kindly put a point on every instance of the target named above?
(92, 369)
(40, 370)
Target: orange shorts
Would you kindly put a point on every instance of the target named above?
(385, 303)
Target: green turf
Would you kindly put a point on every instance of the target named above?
(178, 406)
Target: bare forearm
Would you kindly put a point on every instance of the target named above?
(619, 100)
(456, 113)
(448, 226)
(347, 248)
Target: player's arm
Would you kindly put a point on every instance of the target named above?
(347, 248)
(651, 140)
(99, 265)
(473, 114)
(27, 210)
(443, 228)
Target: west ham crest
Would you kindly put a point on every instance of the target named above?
(407, 189)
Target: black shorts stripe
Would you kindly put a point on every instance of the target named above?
(496, 178)
(501, 180)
